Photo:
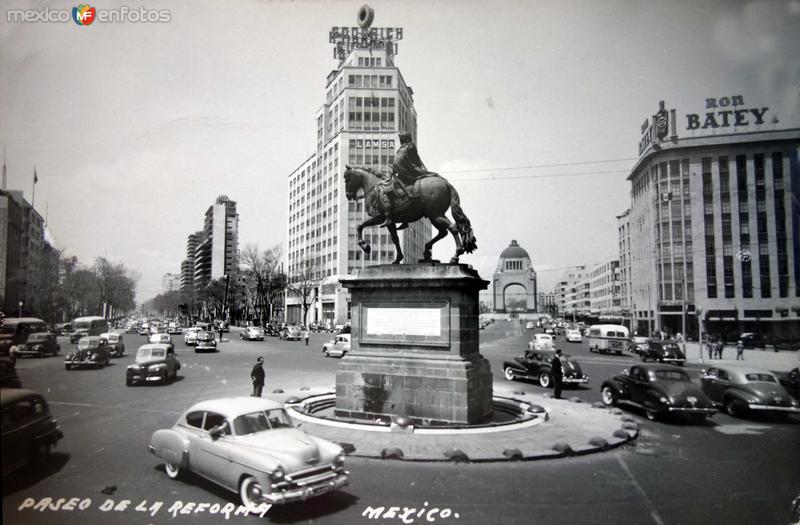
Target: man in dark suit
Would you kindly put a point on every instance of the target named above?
(557, 372)
(257, 375)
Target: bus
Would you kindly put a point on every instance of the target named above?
(608, 338)
(92, 325)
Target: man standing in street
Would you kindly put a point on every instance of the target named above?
(557, 372)
(257, 376)
(305, 336)
(739, 350)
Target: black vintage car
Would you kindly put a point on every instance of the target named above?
(659, 390)
(662, 351)
(154, 362)
(92, 351)
(37, 344)
(743, 390)
(535, 365)
(29, 431)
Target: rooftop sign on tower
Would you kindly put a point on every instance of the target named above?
(345, 39)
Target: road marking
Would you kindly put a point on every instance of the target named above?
(653, 512)
(91, 405)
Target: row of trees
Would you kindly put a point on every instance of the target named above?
(62, 288)
(254, 291)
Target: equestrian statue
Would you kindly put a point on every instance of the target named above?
(408, 194)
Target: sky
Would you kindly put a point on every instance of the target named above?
(532, 109)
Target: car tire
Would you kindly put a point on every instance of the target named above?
(508, 373)
(173, 471)
(619, 352)
(128, 382)
(730, 407)
(325, 353)
(544, 380)
(249, 492)
(67, 366)
(608, 396)
(651, 414)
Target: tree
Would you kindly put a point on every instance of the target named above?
(116, 287)
(304, 282)
(262, 278)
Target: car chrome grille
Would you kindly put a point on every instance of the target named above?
(311, 476)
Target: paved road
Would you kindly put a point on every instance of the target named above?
(725, 471)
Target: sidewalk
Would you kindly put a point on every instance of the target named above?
(781, 361)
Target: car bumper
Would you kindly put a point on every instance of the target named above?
(575, 380)
(691, 410)
(83, 363)
(155, 375)
(790, 410)
(38, 352)
(672, 360)
(311, 490)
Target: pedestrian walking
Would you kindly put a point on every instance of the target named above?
(720, 346)
(710, 349)
(220, 332)
(305, 336)
(557, 373)
(739, 351)
(257, 375)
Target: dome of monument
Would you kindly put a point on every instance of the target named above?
(514, 251)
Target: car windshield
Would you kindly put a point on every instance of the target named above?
(759, 378)
(671, 375)
(86, 344)
(147, 354)
(261, 420)
(38, 337)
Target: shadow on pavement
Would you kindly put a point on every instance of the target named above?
(31, 474)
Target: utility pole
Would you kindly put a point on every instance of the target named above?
(683, 315)
(699, 313)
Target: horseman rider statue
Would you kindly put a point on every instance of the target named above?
(406, 168)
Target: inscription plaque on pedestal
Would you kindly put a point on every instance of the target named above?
(414, 346)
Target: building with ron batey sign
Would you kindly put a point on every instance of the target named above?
(714, 223)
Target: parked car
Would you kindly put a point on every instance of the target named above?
(37, 344)
(29, 432)
(252, 333)
(574, 336)
(272, 330)
(659, 390)
(173, 328)
(535, 365)
(663, 352)
(154, 362)
(743, 390)
(541, 342)
(752, 340)
(115, 344)
(291, 333)
(205, 342)
(8, 373)
(791, 382)
(337, 347)
(92, 351)
(250, 446)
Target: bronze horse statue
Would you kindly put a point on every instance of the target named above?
(432, 196)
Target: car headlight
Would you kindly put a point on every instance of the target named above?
(277, 474)
(339, 461)
(664, 400)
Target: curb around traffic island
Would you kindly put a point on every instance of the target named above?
(567, 428)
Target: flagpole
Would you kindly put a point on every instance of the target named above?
(33, 196)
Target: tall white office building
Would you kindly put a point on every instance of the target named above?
(367, 103)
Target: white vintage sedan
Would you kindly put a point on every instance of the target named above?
(337, 347)
(250, 446)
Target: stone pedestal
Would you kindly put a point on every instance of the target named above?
(414, 346)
